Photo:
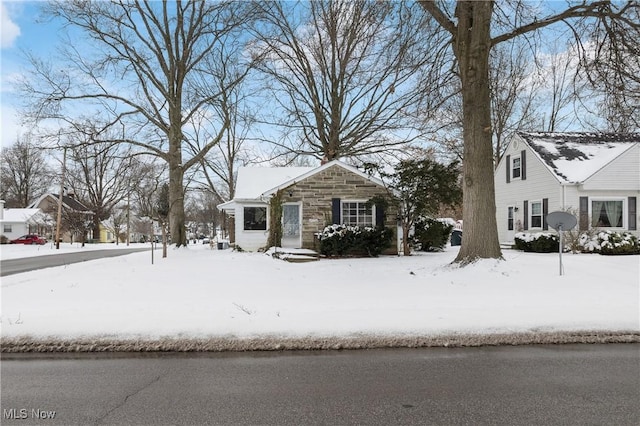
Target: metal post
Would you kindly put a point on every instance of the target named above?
(560, 250)
(59, 218)
(128, 214)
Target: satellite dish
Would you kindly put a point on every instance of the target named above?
(561, 221)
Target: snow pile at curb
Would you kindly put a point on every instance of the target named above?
(274, 343)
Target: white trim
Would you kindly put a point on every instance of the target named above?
(513, 158)
(255, 206)
(625, 212)
(360, 201)
(531, 203)
(300, 228)
(320, 169)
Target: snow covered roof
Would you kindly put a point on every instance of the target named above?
(254, 181)
(575, 156)
(315, 170)
(68, 201)
(19, 215)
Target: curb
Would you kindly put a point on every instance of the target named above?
(277, 343)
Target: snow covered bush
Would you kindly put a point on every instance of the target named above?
(591, 241)
(430, 234)
(341, 240)
(612, 243)
(542, 242)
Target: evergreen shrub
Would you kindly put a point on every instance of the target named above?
(343, 240)
(542, 242)
(431, 235)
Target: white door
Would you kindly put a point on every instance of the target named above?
(291, 226)
(510, 224)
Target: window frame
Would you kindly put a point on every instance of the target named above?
(513, 167)
(244, 219)
(531, 215)
(7, 228)
(358, 203)
(625, 212)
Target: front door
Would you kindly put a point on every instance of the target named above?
(510, 224)
(291, 226)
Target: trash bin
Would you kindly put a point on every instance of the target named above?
(456, 237)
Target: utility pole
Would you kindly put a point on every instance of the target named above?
(59, 219)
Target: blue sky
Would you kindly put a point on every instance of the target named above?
(23, 29)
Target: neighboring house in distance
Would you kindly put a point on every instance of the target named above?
(15, 223)
(106, 233)
(48, 203)
(312, 198)
(595, 176)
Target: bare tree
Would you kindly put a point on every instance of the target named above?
(104, 174)
(611, 64)
(513, 93)
(24, 174)
(343, 76)
(557, 73)
(144, 73)
(475, 27)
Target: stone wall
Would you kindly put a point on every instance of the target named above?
(316, 192)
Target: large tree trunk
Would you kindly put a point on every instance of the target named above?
(176, 188)
(471, 47)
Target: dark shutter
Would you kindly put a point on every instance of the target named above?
(335, 211)
(379, 215)
(632, 207)
(545, 212)
(584, 213)
(525, 215)
(523, 165)
(508, 168)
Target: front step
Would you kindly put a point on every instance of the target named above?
(299, 258)
(295, 255)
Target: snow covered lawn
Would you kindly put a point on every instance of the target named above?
(197, 293)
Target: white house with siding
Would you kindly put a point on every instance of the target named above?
(15, 223)
(595, 176)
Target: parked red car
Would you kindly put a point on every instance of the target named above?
(29, 239)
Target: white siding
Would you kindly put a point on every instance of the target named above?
(250, 240)
(623, 173)
(573, 201)
(18, 229)
(539, 183)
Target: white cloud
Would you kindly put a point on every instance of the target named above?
(9, 30)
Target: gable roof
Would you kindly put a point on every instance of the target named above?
(20, 215)
(575, 156)
(255, 181)
(317, 170)
(69, 202)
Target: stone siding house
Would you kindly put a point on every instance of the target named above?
(312, 198)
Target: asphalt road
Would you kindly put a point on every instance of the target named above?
(16, 266)
(523, 385)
